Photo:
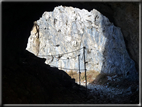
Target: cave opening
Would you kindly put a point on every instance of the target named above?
(15, 37)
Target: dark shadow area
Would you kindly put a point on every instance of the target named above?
(25, 77)
(32, 81)
(129, 79)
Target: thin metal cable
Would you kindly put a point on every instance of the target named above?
(67, 58)
(69, 69)
(62, 53)
(66, 68)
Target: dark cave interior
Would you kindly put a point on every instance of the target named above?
(17, 22)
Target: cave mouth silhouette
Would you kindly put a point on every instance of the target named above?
(17, 21)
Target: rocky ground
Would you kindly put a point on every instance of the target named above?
(120, 91)
(113, 90)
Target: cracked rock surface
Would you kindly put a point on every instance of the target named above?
(67, 29)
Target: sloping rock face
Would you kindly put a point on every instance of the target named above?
(126, 16)
(68, 29)
(34, 82)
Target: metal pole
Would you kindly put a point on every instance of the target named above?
(85, 67)
(79, 67)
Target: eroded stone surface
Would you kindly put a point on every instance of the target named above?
(67, 29)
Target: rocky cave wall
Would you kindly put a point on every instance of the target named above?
(71, 29)
(18, 18)
(27, 82)
(126, 16)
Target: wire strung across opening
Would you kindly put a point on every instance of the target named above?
(62, 53)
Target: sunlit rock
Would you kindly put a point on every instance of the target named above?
(68, 29)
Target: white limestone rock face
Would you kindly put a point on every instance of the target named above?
(67, 29)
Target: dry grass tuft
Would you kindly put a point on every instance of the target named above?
(102, 78)
(73, 74)
(91, 75)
